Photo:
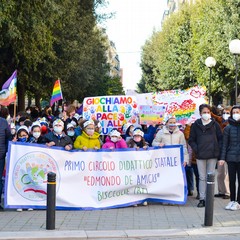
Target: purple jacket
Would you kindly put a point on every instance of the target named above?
(119, 144)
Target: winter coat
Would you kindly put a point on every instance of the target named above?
(167, 138)
(205, 140)
(88, 141)
(60, 141)
(132, 144)
(120, 144)
(34, 140)
(5, 136)
(219, 119)
(230, 151)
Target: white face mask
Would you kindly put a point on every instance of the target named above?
(114, 139)
(226, 116)
(58, 130)
(206, 116)
(70, 133)
(36, 134)
(236, 116)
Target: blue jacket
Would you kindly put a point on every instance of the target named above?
(149, 136)
(5, 136)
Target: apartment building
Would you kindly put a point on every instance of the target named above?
(173, 6)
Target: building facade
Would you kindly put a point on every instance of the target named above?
(173, 6)
(113, 60)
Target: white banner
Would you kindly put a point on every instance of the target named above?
(94, 179)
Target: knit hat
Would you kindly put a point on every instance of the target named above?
(115, 133)
(138, 131)
(70, 125)
(23, 128)
(35, 124)
(59, 122)
(88, 122)
(77, 116)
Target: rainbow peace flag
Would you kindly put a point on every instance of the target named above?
(9, 90)
(56, 93)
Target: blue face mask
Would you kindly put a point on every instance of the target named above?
(23, 139)
(172, 125)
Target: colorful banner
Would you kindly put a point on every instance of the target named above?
(94, 179)
(183, 104)
(111, 111)
(151, 114)
(9, 90)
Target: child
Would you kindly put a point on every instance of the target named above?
(127, 131)
(89, 139)
(114, 140)
(57, 137)
(36, 133)
(44, 126)
(71, 132)
(22, 134)
(137, 141)
(13, 130)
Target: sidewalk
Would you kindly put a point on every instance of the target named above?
(152, 220)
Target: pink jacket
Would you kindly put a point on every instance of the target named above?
(119, 144)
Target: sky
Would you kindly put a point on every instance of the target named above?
(133, 23)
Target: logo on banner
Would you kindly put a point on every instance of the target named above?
(30, 175)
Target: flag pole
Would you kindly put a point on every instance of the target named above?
(14, 111)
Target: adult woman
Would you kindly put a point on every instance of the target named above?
(170, 135)
(205, 140)
(231, 154)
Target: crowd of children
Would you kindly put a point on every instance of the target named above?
(66, 128)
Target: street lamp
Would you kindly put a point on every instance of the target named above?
(210, 62)
(234, 47)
